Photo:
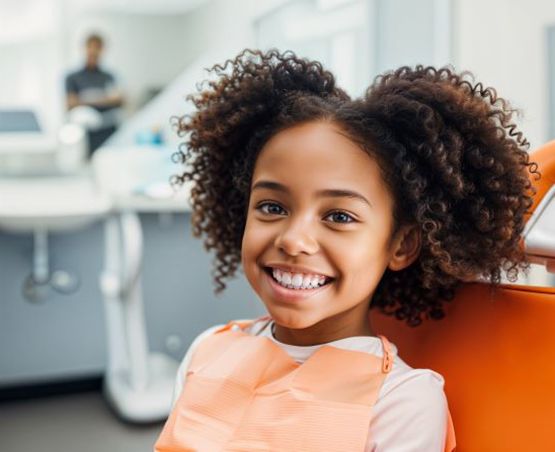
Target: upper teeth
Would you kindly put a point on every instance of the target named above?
(298, 280)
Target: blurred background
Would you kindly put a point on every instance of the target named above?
(102, 286)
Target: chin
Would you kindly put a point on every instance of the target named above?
(293, 321)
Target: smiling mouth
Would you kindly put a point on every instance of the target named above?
(297, 281)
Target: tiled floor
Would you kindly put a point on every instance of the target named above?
(70, 423)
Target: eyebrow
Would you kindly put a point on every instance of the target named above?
(329, 192)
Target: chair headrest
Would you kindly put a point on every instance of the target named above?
(545, 158)
(539, 233)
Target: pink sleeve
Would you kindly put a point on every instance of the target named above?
(411, 415)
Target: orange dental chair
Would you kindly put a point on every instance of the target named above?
(496, 348)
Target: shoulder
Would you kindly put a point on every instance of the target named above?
(402, 375)
(205, 333)
(106, 73)
(194, 345)
(420, 388)
(249, 326)
(411, 412)
(185, 362)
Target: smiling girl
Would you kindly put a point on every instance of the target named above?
(333, 206)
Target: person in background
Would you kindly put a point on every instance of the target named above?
(95, 88)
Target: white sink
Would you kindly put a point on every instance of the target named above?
(137, 178)
(51, 204)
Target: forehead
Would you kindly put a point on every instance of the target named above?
(318, 155)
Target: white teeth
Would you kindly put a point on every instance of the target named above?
(298, 280)
(315, 281)
(286, 278)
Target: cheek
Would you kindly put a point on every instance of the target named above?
(363, 259)
(246, 244)
(254, 240)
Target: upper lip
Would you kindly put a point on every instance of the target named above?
(297, 269)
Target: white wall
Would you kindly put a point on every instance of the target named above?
(504, 43)
(335, 33)
(224, 24)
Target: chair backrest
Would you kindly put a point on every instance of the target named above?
(496, 350)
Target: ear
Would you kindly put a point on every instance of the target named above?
(405, 248)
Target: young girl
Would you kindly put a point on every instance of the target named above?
(333, 206)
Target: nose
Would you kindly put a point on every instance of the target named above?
(297, 237)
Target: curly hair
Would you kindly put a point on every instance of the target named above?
(447, 148)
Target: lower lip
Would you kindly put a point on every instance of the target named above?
(292, 295)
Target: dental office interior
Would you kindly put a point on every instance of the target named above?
(102, 285)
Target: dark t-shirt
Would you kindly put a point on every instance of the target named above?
(90, 84)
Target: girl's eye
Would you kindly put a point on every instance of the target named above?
(270, 208)
(340, 217)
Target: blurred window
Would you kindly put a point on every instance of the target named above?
(334, 32)
(358, 39)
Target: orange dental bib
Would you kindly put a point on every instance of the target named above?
(244, 393)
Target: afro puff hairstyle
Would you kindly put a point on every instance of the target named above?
(447, 147)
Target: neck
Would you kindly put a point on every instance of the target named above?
(325, 331)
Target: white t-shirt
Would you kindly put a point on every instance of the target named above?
(410, 414)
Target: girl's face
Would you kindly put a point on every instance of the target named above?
(318, 233)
